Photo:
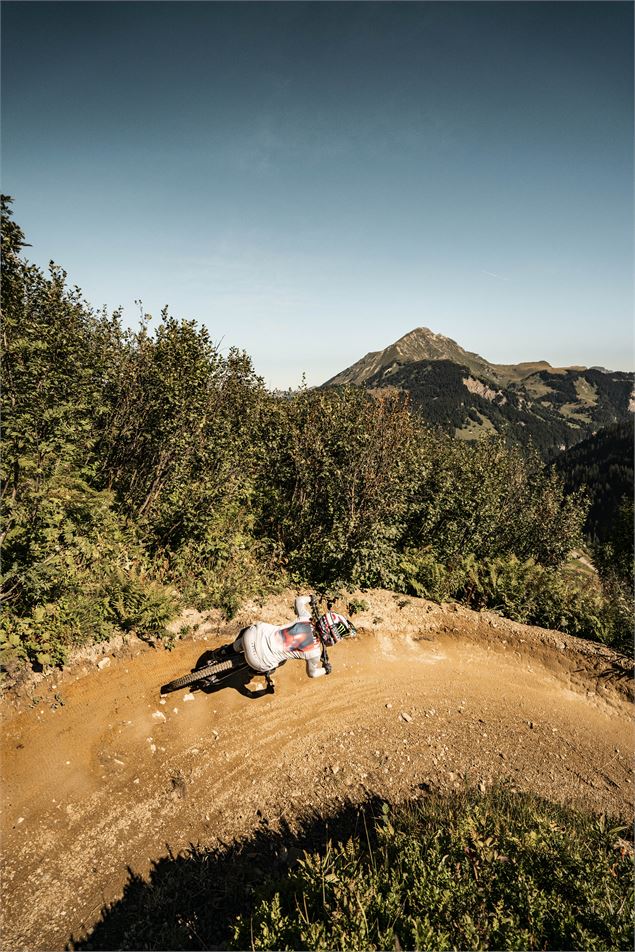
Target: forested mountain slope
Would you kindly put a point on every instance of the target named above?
(470, 398)
(603, 466)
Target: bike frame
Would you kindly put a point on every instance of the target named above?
(315, 612)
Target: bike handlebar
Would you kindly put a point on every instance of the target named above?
(315, 611)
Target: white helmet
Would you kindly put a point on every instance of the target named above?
(333, 627)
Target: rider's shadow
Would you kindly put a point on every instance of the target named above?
(238, 680)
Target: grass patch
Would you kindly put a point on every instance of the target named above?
(502, 872)
(499, 870)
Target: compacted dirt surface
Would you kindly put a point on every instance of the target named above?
(101, 775)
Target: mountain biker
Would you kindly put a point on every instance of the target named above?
(267, 646)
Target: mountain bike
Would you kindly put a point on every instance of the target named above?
(226, 663)
(209, 674)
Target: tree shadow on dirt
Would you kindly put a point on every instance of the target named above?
(190, 901)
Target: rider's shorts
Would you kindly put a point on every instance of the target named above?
(250, 638)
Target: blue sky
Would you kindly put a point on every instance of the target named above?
(312, 181)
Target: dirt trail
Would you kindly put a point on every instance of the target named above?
(101, 783)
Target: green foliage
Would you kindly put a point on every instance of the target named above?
(614, 558)
(336, 484)
(424, 576)
(489, 500)
(139, 604)
(618, 610)
(137, 461)
(74, 574)
(180, 442)
(54, 358)
(602, 465)
(181, 447)
(223, 574)
(524, 591)
(502, 871)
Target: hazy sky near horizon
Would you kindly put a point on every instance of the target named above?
(312, 181)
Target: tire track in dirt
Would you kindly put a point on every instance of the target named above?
(102, 784)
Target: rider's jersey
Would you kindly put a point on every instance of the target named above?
(266, 646)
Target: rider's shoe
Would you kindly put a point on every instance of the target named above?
(226, 651)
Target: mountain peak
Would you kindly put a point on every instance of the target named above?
(424, 334)
(421, 343)
(526, 403)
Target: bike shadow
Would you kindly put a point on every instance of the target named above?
(236, 680)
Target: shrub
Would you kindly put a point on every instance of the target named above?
(356, 605)
(524, 591)
(75, 574)
(223, 573)
(423, 575)
(335, 485)
(502, 871)
(489, 500)
(180, 442)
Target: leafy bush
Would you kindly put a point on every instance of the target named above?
(524, 591)
(356, 605)
(74, 574)
(490, 500)
(137, 603)
(335, 485)
(180, 442)
(224, 573)
(618, 611)
(423, 575)
(502, 871)
(603, 465)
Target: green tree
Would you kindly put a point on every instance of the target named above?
(180, 447)
(63, 543)
(52, 372)
(336, 484)
(489, 500)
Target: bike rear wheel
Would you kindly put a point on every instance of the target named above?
(203, 674)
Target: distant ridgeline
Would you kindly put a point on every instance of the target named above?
(465, 395)
(603, 465)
